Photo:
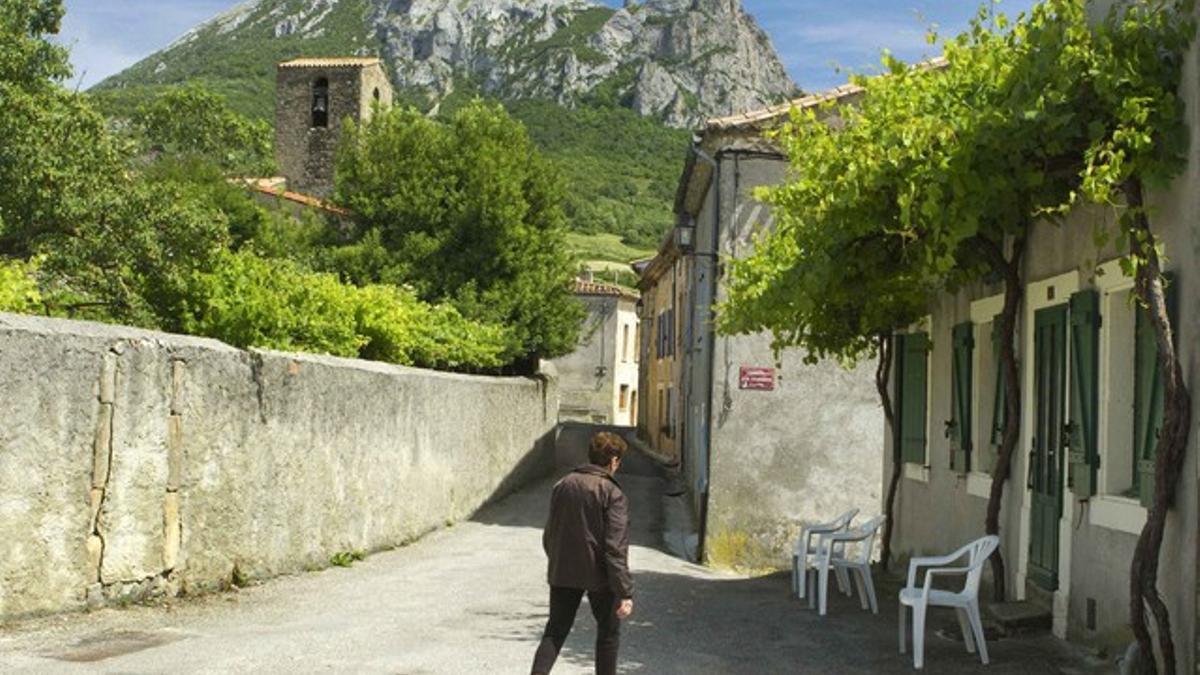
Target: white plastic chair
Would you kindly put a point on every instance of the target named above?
(834, 554)
(807, 545)
(964, 602)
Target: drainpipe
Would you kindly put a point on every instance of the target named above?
(709, 363)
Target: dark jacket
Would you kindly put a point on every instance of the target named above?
(587, 535)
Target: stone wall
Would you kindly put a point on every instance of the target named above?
(135, 463)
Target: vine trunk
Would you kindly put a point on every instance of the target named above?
(882, 378)
(1170, 451)
(1010, 269)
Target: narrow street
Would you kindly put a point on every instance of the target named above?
(471, 599)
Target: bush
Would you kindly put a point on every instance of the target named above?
(249, 301)
(399, 328)
(18, 287)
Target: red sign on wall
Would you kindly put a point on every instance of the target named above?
(757, 379)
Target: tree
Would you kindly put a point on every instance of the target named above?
(28, 60)
(191, 122)
(466, 212)
(943, 170)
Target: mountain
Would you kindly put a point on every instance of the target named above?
(677, 60)
(608, 93)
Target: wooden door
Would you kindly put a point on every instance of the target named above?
(1046, 459)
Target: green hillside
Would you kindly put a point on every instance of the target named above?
(240, 64)
(621, 168)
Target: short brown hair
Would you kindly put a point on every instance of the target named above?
(606, 445)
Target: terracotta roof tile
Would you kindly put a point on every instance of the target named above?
(584, 287)
(757, 118)
(754, 118)
(332, 62)
(270, 187)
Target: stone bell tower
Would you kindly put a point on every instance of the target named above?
(313, 96)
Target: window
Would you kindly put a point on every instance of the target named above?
(376, 94)
(666, 333)
(1149, 394)
(637, 343)
(912, 358)
(1120, 327)
(320, 103)
(625, 343)
(623, 398)
(1133, 392)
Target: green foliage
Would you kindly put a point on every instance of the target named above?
(110, 238)
(58, 165)
(248, 301)
(27, 59)
(621, 169)
(606, 247)
(90, 228)
(938, 165)
(399, 328)
(18, 287)
(347, 558)
(468, 212)
(191, 121)
(573, 38)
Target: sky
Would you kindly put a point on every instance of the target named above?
(818, 40)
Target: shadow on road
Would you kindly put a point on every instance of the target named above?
(640, 477)
(687, 624)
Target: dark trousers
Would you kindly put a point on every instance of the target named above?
(564, 603)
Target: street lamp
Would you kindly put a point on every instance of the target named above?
(685, 238)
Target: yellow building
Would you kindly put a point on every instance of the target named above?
(662, 315)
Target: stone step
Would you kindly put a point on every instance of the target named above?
(1020, 618)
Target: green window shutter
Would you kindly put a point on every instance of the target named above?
(1149, 395)
(913, 397)
(897, 396)
(959, 428)
(1080, 436)
(999, 411)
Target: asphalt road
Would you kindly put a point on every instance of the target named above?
(472, 599)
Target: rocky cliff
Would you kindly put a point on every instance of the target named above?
(677, 60)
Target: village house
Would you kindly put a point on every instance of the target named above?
(598, 382)
(764, 443)
(1091, 400)
(662, 282)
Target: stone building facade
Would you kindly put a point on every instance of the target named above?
(764, 441)
(598, 382)
(314, 97)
